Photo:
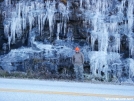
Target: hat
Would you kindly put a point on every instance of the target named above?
(77, 49)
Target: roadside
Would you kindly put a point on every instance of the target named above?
(53, 77)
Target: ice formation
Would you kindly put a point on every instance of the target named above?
(109, 20)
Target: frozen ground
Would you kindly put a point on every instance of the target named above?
(46, 90)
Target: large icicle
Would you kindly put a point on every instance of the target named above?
(98, 64)
(50, 15)
(130, 25)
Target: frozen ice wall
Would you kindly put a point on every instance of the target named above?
(106, 17)
(100, 62)
(131, 67)
(32, 13)
(27, 13)
(104, 23)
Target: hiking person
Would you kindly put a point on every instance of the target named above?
(78, 61)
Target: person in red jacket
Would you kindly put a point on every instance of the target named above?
(78, 61)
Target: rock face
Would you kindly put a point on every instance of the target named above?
(40, 35)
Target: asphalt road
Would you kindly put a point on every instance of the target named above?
(46, 90)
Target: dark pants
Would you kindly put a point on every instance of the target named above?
(78, 69)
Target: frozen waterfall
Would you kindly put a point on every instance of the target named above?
(55, 26)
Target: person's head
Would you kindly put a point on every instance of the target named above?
(77, 49)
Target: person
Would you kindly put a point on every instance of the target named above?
(78, 61)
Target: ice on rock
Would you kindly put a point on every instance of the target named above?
(104, 22)
(18, 55)
(101, 62)
(98, 63)
(25, 13)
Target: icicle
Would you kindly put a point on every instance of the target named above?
(42, 25)
(6, 2)
(24, 23)
(131, 47)
(18, 27)
(80, 3)
(117, 42)
(50, 15)
(98, 63)
(130, 25)
(13, 29)
(33, 5)
(93, 39)
(39, 23)
(31, 19)
(18, 9)
(130, 15)
(103, 38)
(6, 29)
(65, 27)
(44, 19)
(58, 30)
(9, 41)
